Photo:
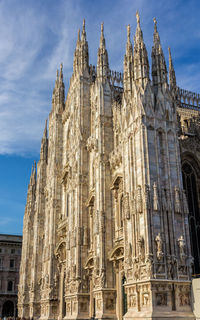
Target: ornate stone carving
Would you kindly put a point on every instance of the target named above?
(177, 200)
(155, 198)
(126, 205)
(92, 144)
(141, 249)
(139, 200)
(159, 245)
(181, 244)
(161, 299)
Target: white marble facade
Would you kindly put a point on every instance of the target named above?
(106, 229)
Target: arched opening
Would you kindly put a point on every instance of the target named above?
(10, 286)
(191, 187)
(124, 296)
(117, 257)
(8, 309)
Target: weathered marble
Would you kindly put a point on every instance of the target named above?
(106, 222)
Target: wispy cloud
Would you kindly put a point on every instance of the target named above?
(6, 220)
(36, 36)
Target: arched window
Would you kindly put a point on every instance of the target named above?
(8, 309)
(124, 297)
(10, 286)
(121, 211)
(190, 185)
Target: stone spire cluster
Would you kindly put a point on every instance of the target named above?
(81, 55)
(128, 63)
(58, 98)
(159, 69)
(106, 231)
(141, 63)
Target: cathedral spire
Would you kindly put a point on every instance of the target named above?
(76, 54)
(172, 75)
(84, 55)
(33, 175)
(102, 61)
(159, 69)
(141, 63)
(128, 63)
(83, 36)
(58, 97)
(81, 56)
(44, 144)
(61, 74)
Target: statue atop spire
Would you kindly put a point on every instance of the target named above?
(83, 36)
(138, 17)
(102, 39)
(128, 33)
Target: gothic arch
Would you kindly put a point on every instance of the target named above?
(8, 309)
(117, 253)
(60, 251)
(89, 263)
(191, 183)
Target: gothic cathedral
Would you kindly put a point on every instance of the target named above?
(112, 220)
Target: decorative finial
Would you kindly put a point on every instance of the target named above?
(155, 24)
(83, 35)
(57, 74)
(170, 58)
(169, 50)
(128, 31)
(102, 28)
(78, 34)
(61, 67)
(138, 17)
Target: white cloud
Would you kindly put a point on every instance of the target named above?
(35, 39)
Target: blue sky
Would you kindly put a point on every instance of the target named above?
(37, 35)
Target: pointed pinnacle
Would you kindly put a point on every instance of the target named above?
(32, 169)
(155, 23)
(78, 35)
(61, 68)
(45, 130)
(102, 29)
(170, 57)
(128, 32)
(57, 74)
(138, 34)
(156, 34)
(138, 17)
(102, 39)
(83, 36)
(61, 73)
